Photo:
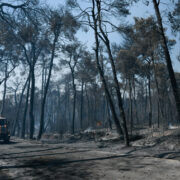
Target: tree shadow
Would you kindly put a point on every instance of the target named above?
(168, 155)
(53, 167)
(43, 155)
(41, 162)
(32, 151)
(8, 143)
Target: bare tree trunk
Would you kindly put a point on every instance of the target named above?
(25, 111)
(69, 108)
(124, 90)
(168, 58)
(116, 120)
(160, 110)
(66, 107)
(88, 106)
(150, 101)
(108, 115)
(4, 92)
(103, 110)
(19, 107)
(135, 103)
(158, 122)
(146, 103)
(31, 61)
(43, 79)
(41, 128)
(82, 103)
(74, 104)
(130, 110)
(94, 110)
(31, 111)
(116, 83)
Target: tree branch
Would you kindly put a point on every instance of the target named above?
(14, 6)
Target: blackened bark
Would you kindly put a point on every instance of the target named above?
(135, 104)
(160, 110)
(74, 101)
(111, 104)
(82, 103)
(158, 121)
(25, 111)
(150, 101)
(31, 111)
(168, 58)
(116, 83)
(108, 115)
(130, 102)
(146, 103)
(4, 92)
(41, 128)
(19, 107)
(88, 106)
(74, 108)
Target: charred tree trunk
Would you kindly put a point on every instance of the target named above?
(150, 101)
(116, 120)
(19, 107)
(74, 106)
(124, 90)
(130, 107)
(94, 110)
(158, 121)
(116, 83)
(31, 111)
(41, 128)
(82, 103)
(135, 103)
(108, 115)
(146, 102)
(160, 110)
(4, 92)
(88, 106)
(25, 111)
(167, 57)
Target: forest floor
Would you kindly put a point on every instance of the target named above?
(152, 155)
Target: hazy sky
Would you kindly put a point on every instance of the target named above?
(138, 10)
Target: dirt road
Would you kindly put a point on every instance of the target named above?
(25, 160)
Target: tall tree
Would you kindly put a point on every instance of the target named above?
(167, 56)
(73, 53)
(32, 40)
(58, 26)
(104, 37)
(95, 27)
(86, 74)
(55, 21)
